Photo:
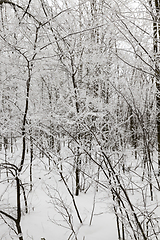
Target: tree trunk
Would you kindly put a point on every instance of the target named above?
(25, 118)
(18, 220)
(77, 158)
(155, 6)
(156, 47)
(31, 160)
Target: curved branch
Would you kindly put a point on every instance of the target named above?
(8, 215)
(20, 7)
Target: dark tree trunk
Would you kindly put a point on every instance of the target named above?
(78, 166)
(18, 220)
(25, 118)
(31, 161)
(77, 158)
(155, 6)
(156, 46)
(11, 142)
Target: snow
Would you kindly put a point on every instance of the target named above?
(47, 219)
(40, 223)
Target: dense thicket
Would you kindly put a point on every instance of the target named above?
(84, 74)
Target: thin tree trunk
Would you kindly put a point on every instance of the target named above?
(156, 48)
(5, 154)
(78, 166)
(25, 118)
(18, 220)
(31, 160)
(77, 159)
(11, 142)
(28, 82)
(25, 198)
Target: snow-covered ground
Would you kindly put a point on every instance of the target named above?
(49, 202)
(39, 223)
(43, 220)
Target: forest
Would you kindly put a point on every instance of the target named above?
(80, 119)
